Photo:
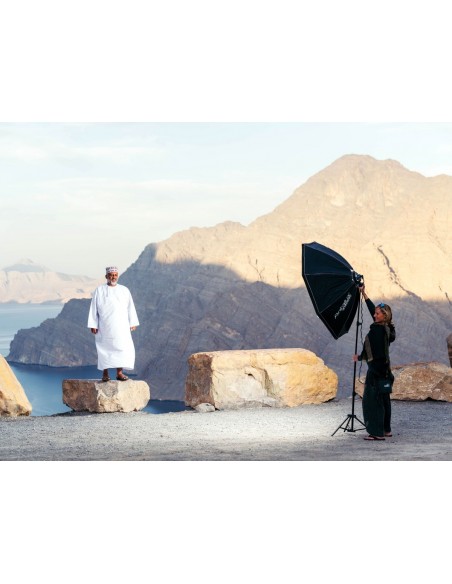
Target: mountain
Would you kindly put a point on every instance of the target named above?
(26, 281)
(236, 287)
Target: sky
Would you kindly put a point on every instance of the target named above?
(77, 197)
(120, 127)
(124, 122)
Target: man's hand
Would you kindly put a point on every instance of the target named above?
(133, 328)
(94, 331)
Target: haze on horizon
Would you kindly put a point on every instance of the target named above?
(76, 197)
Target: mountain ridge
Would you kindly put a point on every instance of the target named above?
(25, 281)
(240, 287)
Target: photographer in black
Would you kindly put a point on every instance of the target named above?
(376, 404)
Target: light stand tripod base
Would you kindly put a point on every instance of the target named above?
(348, 427)
(348, 424)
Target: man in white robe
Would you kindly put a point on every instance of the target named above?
(112, 317)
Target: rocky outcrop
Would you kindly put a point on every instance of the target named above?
(272, 377)
(13, 401)
(420, 381)
(87, 395)
(449, 348)
(231, 287)
(26, 281)
(66, 339)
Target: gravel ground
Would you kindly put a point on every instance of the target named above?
(422, 431)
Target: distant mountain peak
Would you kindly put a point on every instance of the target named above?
(24, 265)
(27, 281)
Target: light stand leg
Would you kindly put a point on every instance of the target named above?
(349, 420)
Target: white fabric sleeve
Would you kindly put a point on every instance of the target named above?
(93, 317)
(133, 317)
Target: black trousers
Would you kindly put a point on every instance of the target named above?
(376, 408)
(387, 407)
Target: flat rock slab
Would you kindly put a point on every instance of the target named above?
(92, 395)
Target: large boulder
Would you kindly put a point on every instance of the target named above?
(91, 395)
(420, 381)
(253, 378)
(13, 401)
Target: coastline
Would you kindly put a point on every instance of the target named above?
(421, 432)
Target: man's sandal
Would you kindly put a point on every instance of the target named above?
(373, 438)
(105, 378)
(122, 377)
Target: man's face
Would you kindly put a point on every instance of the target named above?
(112, 278)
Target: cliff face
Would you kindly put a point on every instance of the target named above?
(235, 287)
(26, 281)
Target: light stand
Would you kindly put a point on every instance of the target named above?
(348, 424)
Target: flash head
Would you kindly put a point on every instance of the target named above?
(358, 279)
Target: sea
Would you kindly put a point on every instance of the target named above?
(43, 385)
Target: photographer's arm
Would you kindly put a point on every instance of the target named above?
(370, 305)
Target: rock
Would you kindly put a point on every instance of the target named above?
(420, 381)
(449, 348)
(76, 346)
(256, 378)
(204, 408)
(112, 396)
(13, 401)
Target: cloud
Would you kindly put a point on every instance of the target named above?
(56, 152)
(60, 143)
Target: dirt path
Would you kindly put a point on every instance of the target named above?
(422, 431)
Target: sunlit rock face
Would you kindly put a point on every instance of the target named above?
(13, 400)
(419, 382)
(231, 287)
(89, 395)
(261, 378)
